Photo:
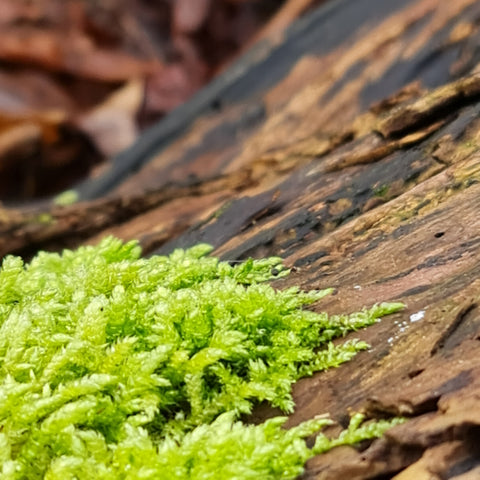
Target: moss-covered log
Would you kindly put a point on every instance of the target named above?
(351, 148)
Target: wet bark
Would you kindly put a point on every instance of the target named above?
(352, 149)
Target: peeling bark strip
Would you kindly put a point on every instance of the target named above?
(378, 200)
(430, 108)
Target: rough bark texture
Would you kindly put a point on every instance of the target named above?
(351, 147)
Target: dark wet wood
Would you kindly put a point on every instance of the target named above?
(358, 161)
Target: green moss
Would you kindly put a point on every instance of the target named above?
(218, 213)
(116, 367)
(68, 197)
(45, 219)
(381, 190)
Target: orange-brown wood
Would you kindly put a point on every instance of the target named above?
(360, 165)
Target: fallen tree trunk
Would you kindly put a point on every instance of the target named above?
(379, 200)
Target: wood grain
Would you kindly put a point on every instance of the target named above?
(352, 149)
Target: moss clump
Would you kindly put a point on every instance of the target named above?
(116, 367)
(381, 190)
(66, 198)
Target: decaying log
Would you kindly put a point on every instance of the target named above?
(352, 149)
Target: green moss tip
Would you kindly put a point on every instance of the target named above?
(66, 198)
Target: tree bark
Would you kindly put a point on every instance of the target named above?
(350, 148)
